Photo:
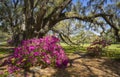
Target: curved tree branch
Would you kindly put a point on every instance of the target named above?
(63, 35)
(71, 15)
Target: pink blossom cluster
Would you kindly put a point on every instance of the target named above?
(37, 52)
(97, 46)
(102, 42)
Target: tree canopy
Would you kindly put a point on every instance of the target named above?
(26, 19)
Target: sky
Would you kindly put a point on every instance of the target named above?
(83, 1)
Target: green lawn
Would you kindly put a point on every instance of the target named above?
(112, 51)
(114, 47)
(71, 49)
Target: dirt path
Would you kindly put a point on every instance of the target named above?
(82, 67)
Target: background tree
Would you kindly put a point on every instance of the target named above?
(73, 32)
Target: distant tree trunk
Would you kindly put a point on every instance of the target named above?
(117, 36)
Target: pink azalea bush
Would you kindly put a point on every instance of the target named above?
(97, 46)
(37, 52)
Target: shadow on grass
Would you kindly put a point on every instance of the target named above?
(113, 65)
(73, 73)
(4, 53)
(106, 64)
(61, 73)
(69, 72)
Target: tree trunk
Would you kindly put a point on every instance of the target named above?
(117, 37)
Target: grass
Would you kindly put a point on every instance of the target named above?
(113, 51)
(115, 47)
(72, 49)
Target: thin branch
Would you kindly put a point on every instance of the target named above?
(15, 3)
